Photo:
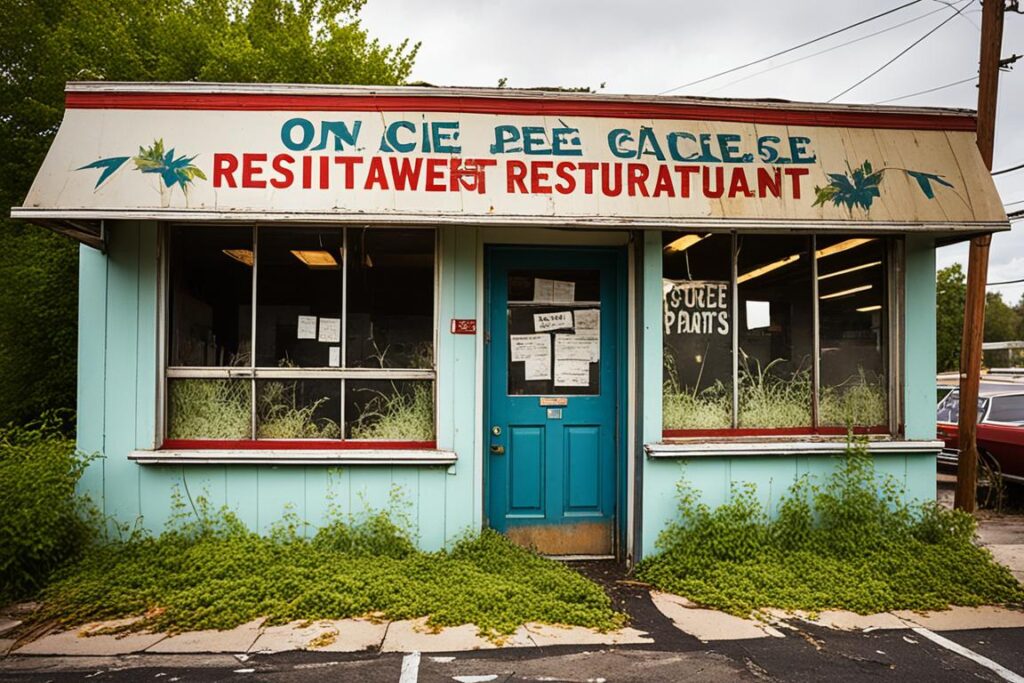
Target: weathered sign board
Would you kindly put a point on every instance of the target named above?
(179, 150)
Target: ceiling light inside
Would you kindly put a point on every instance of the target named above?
(758, 272)
(868, 309)
(316, 259)
(684, 242)
(854, 269)
(846, 292)
(843, 246)
(241, 255)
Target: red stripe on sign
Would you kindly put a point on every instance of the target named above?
(779, 431)
(296, 445)
(524, 107)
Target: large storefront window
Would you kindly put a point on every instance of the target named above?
(783, 334)
(300, 334)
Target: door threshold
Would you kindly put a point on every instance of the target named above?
(578, 558)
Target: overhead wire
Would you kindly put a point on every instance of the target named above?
(828, 49)
(791, 49)
(925, 92)
(904, 51)
(1008, 170)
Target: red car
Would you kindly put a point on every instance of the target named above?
(1000, 429)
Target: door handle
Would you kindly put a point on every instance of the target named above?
(498, 450)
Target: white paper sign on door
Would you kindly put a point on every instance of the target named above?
(572, 373)
(543, 290)
(537, 369)
(588, 319)
(563, 292)
(524, 347)
(307, 327)
(575, 347)
(545, 322)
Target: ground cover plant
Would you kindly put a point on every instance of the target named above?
(209, 571)
(42, 523)
(397, 415)
(847, 542)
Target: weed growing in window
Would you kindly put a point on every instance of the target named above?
(209, 409)
(281, 415)
(397, 415)
(850, 542)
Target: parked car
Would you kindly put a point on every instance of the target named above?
(1000, 429)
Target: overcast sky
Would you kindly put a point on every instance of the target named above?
(650, 46)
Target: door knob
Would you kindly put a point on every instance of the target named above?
(496, 430)
(498, 450)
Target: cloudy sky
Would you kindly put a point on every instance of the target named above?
(651, 46)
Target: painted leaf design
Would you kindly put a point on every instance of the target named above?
(108, 165)
(924, 181)
(858, 187)
(172, 170)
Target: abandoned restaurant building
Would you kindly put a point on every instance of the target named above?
(533, 311)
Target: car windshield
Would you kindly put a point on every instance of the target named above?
(949, 407)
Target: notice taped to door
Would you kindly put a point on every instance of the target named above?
(546, 322)
(572, 373)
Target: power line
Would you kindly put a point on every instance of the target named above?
(904, 51)
(791, 49)
(925, 92)
(828, 49)
(1007, 170)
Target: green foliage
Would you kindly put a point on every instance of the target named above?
(397, 415)
(769, 400)
(858, 402)
(44, 43)
(42, 523)
(1002, 322)
(281, 414)
(209, 409)
(851, 542)
(951, 295)
(707, 408)
(208, 571)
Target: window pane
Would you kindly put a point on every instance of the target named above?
(1007, 409)
(697, 374)
(210, 296)
(298, 298)
(389, 410)
(775, 331)
(852, 309)
(390, 298)
(209, 409)
(298, 409)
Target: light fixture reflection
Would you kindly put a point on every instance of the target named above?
(843, 246)
(684, 242)
(846, 292)
(241, 255)
(868, 309)
(316, 259)
(775, 265)
(854, 269)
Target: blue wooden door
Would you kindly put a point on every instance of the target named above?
(552, 389)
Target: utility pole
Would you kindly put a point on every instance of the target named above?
(977, 265)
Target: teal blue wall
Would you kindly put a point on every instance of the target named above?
(117, 381)
(713, 476)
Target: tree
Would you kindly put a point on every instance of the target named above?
(44, 43)
(1001, 321)
(951, 295)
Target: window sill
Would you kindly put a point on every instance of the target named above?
(347, 456)
(762, 447)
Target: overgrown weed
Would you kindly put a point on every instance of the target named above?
(850, 542)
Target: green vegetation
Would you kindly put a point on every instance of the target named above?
(209, 571)
(45, 44)
(850, 542)
(281, 415)
(858, 402)
(209, 409)
(397, 415)
(769, 400)
(42, 523)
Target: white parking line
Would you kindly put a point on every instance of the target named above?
(996, 668)
(410, 668)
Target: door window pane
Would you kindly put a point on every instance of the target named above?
(298, 409)
(697, 328)
(390, 410)
(852, 310)
(554, 332)
(775, 331)
(390, 298)
(209, 409)
(298, 297)
(210, 296)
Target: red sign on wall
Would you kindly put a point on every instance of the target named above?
(463, 326)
